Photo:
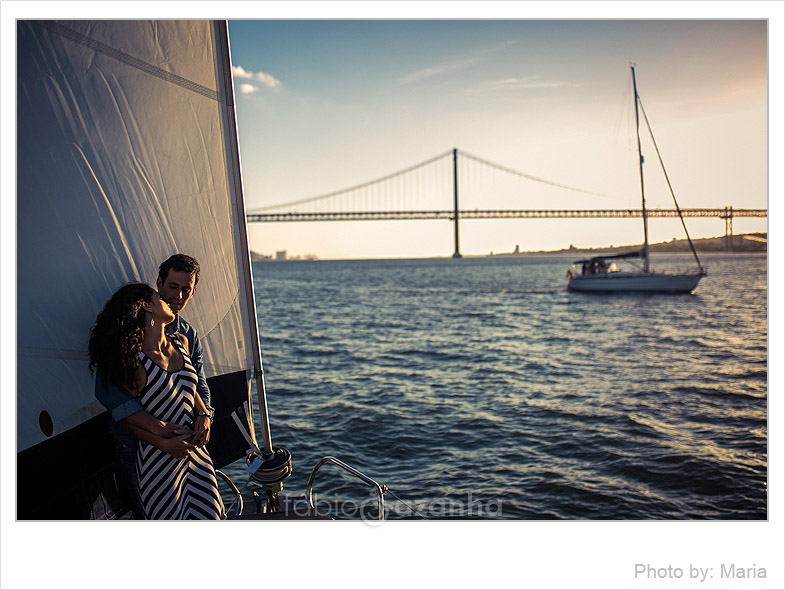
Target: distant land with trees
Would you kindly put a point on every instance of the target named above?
(754, 242)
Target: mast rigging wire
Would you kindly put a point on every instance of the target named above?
(668, 180)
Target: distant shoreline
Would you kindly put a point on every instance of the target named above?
(742, 243)
(753, 242)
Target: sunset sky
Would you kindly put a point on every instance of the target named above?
(326, 105)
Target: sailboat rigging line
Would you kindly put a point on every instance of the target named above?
(251, 443)
(353, 188)
(529, 176)
(414, 510)
(238, 496)
(668, 180)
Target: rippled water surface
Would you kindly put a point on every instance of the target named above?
(483, 388)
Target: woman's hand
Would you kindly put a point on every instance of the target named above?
(201, 434)
(170, 429)
(177, 446)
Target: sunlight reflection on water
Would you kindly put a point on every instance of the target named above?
(441, 378)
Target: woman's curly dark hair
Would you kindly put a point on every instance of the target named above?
(116, 337)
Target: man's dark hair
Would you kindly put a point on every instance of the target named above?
(180, 262)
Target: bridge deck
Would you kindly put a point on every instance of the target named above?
(724, 213)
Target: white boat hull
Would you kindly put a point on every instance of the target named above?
(628, 282)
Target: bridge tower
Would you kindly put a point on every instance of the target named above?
(457, 253)
(728, 217)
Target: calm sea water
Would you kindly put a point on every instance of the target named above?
(483, 388)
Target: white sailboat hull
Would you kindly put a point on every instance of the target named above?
(625, 282)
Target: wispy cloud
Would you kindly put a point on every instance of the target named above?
(436, 70)
(524, 83)
(263, 78)
(452, 65)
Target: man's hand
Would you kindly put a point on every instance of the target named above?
(178, 446)
(201, 431)
(170, 429)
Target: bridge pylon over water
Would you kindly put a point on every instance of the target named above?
(389, 198)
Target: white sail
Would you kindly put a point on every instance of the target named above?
(122, 161)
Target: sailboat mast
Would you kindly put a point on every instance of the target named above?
(640, 165)
(233, 158)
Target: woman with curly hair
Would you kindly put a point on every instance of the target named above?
(128, 346)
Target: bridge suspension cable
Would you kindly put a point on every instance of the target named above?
(378, 181)
(355, 187)
(529, 176)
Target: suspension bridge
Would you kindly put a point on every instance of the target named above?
(400, 196)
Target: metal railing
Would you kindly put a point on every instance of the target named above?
(238, 495)
(380, 489)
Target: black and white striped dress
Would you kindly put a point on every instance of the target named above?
(174, 489)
